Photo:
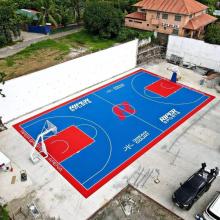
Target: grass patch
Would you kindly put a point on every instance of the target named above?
(46, 44)
(9, 61)
(50, 52)
(3, 213)
(93, 43)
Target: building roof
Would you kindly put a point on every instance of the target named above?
(137, 15)
(200, 21)
(172, 6)
(28, 13)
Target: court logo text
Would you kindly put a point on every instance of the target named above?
(80, 104)
(169, 116)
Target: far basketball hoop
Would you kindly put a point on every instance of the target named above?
(40, 150)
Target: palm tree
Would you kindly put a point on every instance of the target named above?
(77, 7)
(48, 12)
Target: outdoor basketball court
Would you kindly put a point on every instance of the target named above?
(102, 132)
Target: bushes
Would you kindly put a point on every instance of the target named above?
(3, 213)
(103, 19)
(9, 22)
(127, 34)
(3, 40)
(212, 34)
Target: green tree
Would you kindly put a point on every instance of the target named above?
(4, 213)
(9, 22)
(66, 11)
(65, 15)
(48, 12)
(27, 4)
(210, 3)
(77, 6)
(212, 34)
(124, 5)
(103, 19)
(127, 34)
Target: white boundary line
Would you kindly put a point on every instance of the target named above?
(96, 132)
(163, 86)
(153, 97)
(63, 141)
(166, 103)
(110, 144)
(134, 115)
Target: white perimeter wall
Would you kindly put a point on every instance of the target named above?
(41, 88)
(195, 51)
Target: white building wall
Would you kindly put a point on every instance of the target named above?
(195, 51)
(27, 93)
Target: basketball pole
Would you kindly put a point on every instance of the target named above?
(35, 155)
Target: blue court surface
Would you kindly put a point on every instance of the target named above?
(102, 132)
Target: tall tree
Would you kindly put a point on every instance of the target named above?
(210, 3)
(48, 12)
(65, 11)
(27, 4)
(212, 34)
(77, 7)
(9, 21)
(103, 19)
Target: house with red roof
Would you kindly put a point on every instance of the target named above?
(186, 18)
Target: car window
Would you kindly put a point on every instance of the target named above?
(188, 187)
(194, 184)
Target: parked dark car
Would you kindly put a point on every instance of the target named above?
(193, 188)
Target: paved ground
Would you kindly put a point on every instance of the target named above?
(30, 38)
(171, 161)
(27, 36)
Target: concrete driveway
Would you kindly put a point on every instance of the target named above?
(30, 38)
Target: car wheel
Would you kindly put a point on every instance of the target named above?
(207, 189)
(189, 207)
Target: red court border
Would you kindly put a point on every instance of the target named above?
(87, 192)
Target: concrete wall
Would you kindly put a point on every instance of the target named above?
(154, 23)
(195, 51)
(30, 92)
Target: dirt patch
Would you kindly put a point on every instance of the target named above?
(18, 208)
(37, 61)
(77, 52)
(132, 204)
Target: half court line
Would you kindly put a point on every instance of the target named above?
(131, 115)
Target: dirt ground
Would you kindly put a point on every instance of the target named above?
(18, 209)
(130, 204)
(37, 61)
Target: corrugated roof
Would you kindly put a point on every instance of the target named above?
(137, 15)
(28, 13)
(200, 21)
(172, 6)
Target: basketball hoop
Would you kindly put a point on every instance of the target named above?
(41, 151)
